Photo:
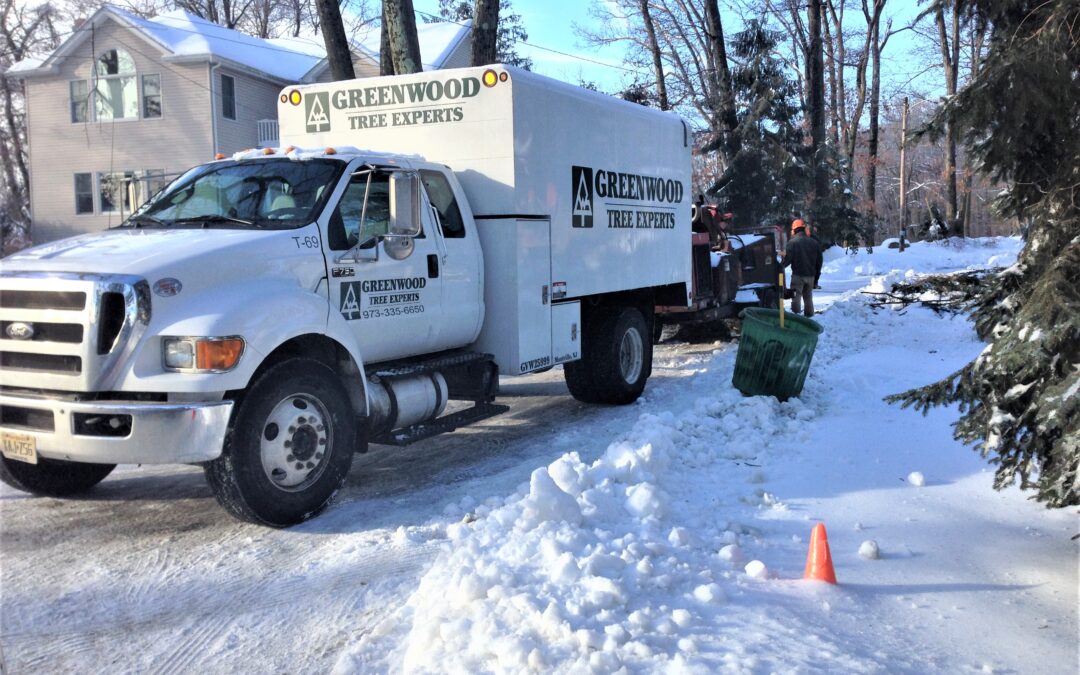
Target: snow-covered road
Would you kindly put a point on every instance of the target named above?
(572, 538)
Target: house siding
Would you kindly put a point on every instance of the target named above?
(177, 140)
(255, 100)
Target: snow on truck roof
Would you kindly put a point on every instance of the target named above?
(342, 152)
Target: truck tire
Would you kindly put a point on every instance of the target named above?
(616, 358)
(288, 448)
(52, 477)
(769, 298)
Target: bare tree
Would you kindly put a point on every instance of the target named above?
(24, 31)
(485, 32)
(657, 57)
(816, 97)
(950, 59)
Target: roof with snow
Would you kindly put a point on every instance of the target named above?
(182, 36)
(437, 42)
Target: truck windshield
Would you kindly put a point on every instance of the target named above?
(265, 193)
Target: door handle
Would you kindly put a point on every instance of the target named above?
(433, 266)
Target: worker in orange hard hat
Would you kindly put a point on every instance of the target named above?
(797, 223)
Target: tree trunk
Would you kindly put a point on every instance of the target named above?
(404, 45)
(841, 59)
(949, 57)
(338, 53)
(386, 59)
(878, 45)
(830, 66)
(485, 32)
(654, 49)
(723, 104)
(816, 96)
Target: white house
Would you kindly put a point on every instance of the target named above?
(125, 103)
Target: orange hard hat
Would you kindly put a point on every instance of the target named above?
(797, 223)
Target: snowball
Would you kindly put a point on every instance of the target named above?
(755, 569)
(546, 501)
(709, 593)
(645, 500)
(682, 618)
(869, 550)
(605, 565)
(731, 553)
(679, 536)
(565, 474)
(916, 478)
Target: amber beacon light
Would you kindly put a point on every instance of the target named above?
(294, 97)
(490, 78)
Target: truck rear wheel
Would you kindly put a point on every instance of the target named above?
(52, 477)
(616, 358)
(289, 447)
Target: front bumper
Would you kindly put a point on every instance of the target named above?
(160, 433)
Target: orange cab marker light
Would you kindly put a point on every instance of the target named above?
(294, 97)
(284, 98)
(490, 78)
(290, 149)
(218, 354)
(219, 156)
(503, 77)
(330, 151)
(268, 151)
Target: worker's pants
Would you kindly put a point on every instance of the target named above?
(802, 289)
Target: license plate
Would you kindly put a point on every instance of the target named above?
(18, 446)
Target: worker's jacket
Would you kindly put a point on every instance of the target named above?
(804, 256)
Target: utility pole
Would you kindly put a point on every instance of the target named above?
(903, 174)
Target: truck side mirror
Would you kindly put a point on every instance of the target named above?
(404, 204)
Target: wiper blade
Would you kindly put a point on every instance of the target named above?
(139, 220)
(215, 218)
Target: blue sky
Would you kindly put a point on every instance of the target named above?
(550, 24)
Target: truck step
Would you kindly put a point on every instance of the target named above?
(443, 362)
(442, 425)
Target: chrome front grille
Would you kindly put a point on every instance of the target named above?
(68, 332)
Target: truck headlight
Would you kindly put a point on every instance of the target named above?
(202, 355)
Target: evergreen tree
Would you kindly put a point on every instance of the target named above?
(1020, 399)
(768, 179)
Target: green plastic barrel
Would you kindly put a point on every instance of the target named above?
(774, 361)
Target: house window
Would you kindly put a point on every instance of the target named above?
(151, 96)
(80, 97)
(84, 193)
(228, 97)
(115, 191)
(115, 95)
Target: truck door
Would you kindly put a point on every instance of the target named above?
(391, 295)
(459, 263)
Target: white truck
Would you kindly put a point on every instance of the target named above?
(268, 314)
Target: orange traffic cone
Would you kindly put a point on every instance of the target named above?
(819, 560)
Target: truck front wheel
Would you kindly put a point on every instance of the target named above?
(289, 447)
(616, 358)
(52, 477)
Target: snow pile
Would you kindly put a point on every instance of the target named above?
(664, 552)
(594, 565)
